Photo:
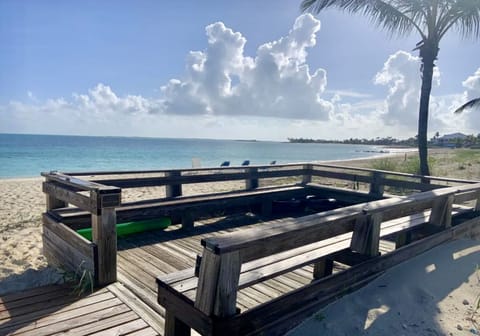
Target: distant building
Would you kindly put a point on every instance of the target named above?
(450, 140)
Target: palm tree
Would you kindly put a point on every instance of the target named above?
(431, 19)
(470, 104)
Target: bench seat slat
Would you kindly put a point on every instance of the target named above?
(266, 268)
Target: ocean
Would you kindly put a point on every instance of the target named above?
(23, 155)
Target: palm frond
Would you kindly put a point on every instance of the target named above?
(470, 104)
(465, 16)
(469, 21)
(385, 14)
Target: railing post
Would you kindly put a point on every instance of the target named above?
(322, 268)
(252, 180)
(376, 186)
(174, 326)
(52, 202)
(441, 214)
(366, 235)
(174, 189)
(307, 176)
(104, 233)
(218, 283)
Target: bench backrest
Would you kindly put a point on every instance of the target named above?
(223, 255)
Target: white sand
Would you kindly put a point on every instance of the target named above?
(22, 203)
(435, 293)
(23, 265)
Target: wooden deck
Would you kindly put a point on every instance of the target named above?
(129, 307)
(143, 257)
(55, 310)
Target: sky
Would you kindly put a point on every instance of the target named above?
(217, 69)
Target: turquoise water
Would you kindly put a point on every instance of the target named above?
(28, 155)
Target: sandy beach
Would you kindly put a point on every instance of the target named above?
(437, 296)
(435, 293)
(22, 203)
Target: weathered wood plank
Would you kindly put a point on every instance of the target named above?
(55, 314)
(366, 234)
(203, 205)
(377, 184)
(93, 326)
(173, 189)
(322, 268)
(139, 307)
(10, 299)
(74, 182)
(182, 307)
(318, 292)
(174, 326)
(341, 175)
(276, 237)
(251, 182)
(104, 235)
(202, 178)
(410, 184)
(78, 242)
(69, 195)
(124, 329)
(307, 176)
(56, 300)
(144, 332)
(53, 203)
(441, 214)
(269, 267)
(60, 252)
(142, 291)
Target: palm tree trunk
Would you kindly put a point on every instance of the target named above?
(428, 54)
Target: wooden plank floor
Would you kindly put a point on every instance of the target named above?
(143, 257)
(55, 310)
(129, 307)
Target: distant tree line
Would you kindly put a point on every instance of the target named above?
(467, 142)
(388, 141)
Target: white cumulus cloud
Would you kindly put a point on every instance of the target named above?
(225, 93)
(277, 82)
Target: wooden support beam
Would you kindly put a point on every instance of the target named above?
(307, 175)
(188, 219)
(403, 238)
(173, 190)
(174, 326)
(55, 203)
(441, 214)
(218, 283)
(60, 195)
(322, 268)
(251, 182)
(104, 234)
(350, 258)
(366, 234)
(376, 186)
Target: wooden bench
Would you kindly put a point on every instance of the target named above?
(207, 302)
(190, 208)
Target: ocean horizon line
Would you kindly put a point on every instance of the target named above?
(26, 155)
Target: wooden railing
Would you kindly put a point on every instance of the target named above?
(223, 256)
(100, 196)
(173, 179)
(100, 201)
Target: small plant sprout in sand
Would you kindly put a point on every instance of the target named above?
(82, 278)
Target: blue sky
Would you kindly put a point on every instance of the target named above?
(56, 52)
